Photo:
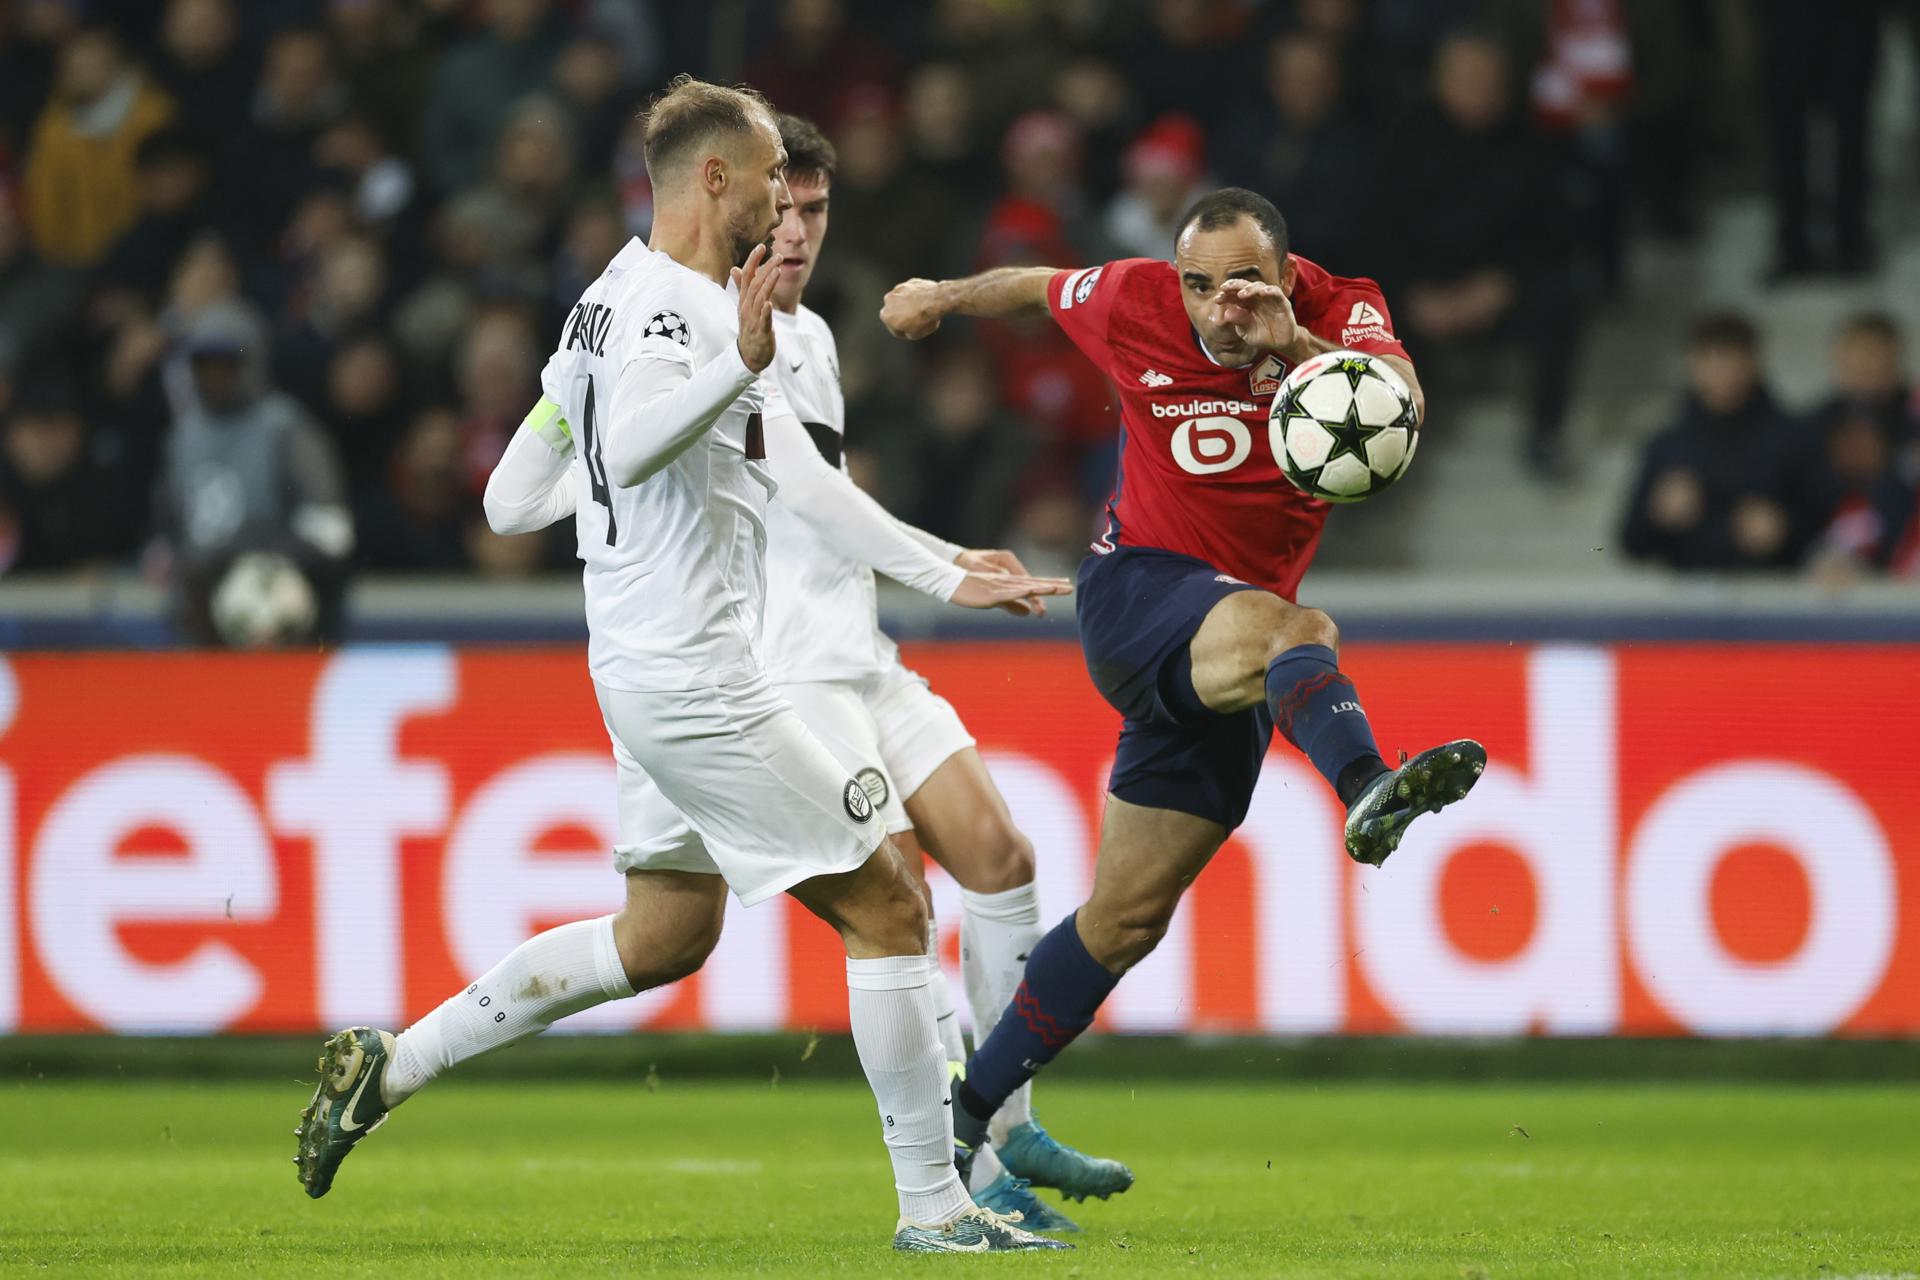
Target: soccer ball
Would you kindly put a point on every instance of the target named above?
(263, 599)
(1343, 426)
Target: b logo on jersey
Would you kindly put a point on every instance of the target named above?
(874, 783)
(1205, 446)
(668, 324)
(859, 808)
(1267, 376)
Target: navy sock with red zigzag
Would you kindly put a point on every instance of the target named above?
(1316, 708)
(1063, 988)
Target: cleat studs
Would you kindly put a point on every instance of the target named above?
(1479, 767)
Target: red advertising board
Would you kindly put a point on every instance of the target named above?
(1671, 840)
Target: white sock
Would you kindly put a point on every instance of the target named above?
(893, 1032)
(996, 936)
(946, 1020)
(545, 978)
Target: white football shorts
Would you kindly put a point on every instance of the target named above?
(919, 729)
(838, 716)
(889, 729)
(730, 782)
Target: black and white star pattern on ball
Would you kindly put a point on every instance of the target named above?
(1349, 436)
(668, 324)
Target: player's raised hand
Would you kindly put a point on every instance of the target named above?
(1002, 561)
(755, 280)
(911, 309)
(1262, 313)
(998, 590)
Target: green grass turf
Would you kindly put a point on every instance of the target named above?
(492, 1178)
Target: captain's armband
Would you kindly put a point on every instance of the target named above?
(544, 420)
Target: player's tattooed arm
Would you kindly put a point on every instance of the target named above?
(915, 308)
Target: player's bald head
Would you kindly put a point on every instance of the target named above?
(693, 119)
(1234, 209)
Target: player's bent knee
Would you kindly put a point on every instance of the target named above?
(888, 915)
(1298, 627)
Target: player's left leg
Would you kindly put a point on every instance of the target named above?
(988, 1181)
(668, 926)
(1255, 649)
(964, 822)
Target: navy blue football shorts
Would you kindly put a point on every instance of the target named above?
(1139, 608)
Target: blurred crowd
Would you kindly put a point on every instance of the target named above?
(280, 274)
(1739, 481)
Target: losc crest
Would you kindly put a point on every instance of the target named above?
(1266, 377)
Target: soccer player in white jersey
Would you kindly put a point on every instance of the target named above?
(651, 431)
(826, 654)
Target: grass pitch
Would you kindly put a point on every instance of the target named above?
(488, 1178)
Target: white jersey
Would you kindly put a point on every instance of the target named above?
(822, 619)
(674, 565)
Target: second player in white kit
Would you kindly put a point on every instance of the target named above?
(902, 742)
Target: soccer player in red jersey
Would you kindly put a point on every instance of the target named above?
(1186, 608)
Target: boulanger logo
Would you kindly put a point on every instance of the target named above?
(859, 808)
(1202, 408)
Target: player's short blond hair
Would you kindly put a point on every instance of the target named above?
(692, 112)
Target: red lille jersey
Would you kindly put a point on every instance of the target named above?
(1198, 471)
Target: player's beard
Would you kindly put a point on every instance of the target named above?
(744, 240)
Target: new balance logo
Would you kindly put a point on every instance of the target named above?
(1155, 378)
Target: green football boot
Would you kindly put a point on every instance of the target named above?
(346, 1104)
(1428, 783)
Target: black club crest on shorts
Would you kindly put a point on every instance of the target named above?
(668, 324)
(859, 808)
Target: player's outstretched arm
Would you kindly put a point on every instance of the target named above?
(852, 523)
(662, 404)
(915, 308)
(530, 487)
